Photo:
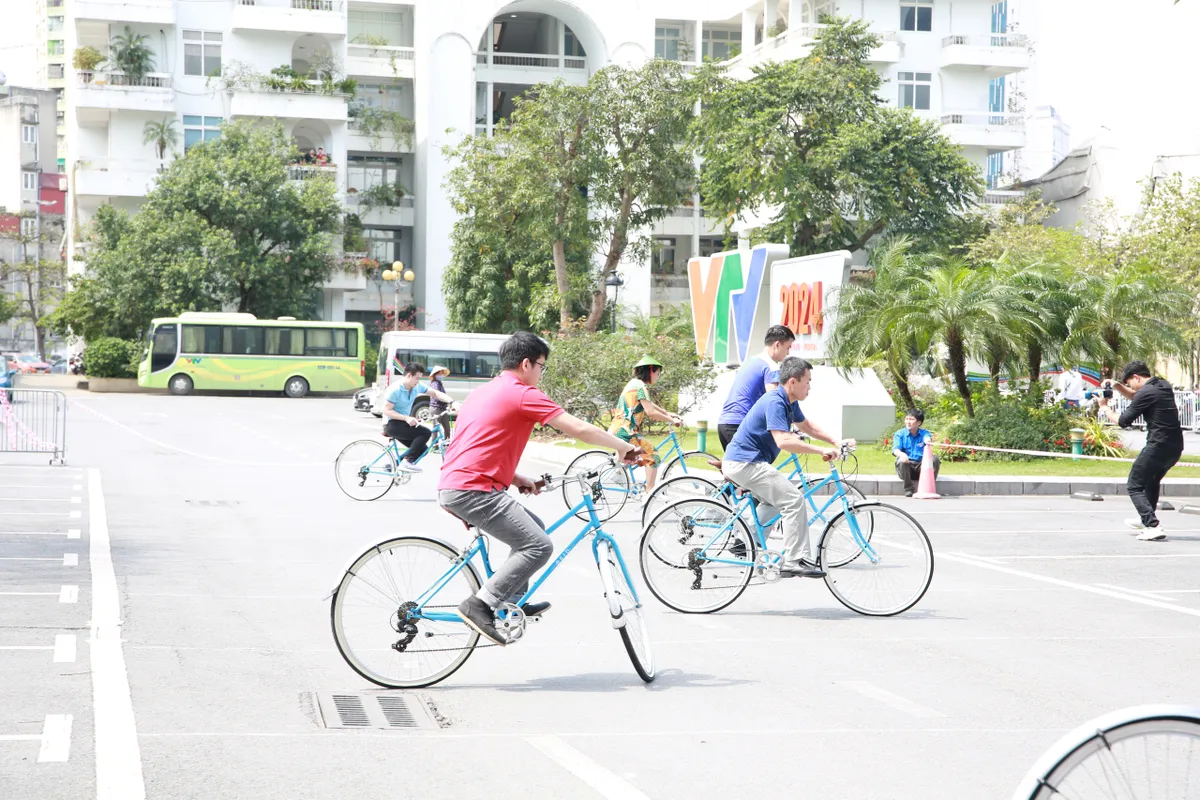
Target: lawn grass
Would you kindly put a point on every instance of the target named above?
(872, 460)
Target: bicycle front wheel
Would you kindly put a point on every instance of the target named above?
(365, 469)
(693, 462)
(877, 559)
(626, 611)
(681, 487)
(697, 556)
(372, 623)
(610, 488)
(1146, 751)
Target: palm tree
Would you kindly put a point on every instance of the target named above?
(1133, 312)
(958, 307)
(865, 334)
(128, 51)
(162, 135)
(1042, 290)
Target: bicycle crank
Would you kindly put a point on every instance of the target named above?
(767, 565)
(510, 622)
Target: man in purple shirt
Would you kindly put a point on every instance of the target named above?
(755, 377)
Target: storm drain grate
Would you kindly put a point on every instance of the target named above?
(371, 710)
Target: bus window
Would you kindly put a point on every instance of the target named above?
(487, 365)
(285, 342)
(327, 342)
(242, 341)
(457, 362)
(164, 347)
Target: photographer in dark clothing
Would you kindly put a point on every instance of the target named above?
(1153, 400)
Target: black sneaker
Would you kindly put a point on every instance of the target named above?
(801, 569)
(479, 618)
(535, 609)
(908, 492)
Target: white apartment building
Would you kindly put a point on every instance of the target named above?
(454, 67)
(51, 49)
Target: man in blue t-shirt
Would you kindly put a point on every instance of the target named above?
(755, 377)
(749, 461)
(401, 425)
(908, 446)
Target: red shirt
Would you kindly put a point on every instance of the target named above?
(493, 427)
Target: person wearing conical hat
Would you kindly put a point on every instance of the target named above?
(634, 406)
(437, 407)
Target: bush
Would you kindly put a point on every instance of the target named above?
(588, 370)
(109, 357)
(371, 365)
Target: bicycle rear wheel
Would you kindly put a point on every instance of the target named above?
(681, 487)
(693, 462)
(610, 489)
(626, 611)
(365, 469)
(877, 559)
(1146, 751)
(678, 549)
(369, 619)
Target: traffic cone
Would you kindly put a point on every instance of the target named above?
(926, 488)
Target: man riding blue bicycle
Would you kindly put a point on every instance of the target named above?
(480, 464)
(755, 377)
(750, 457)
(401, 425)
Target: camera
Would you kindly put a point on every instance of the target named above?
(1106, 391)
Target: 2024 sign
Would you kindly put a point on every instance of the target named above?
(802, 307)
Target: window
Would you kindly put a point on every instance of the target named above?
(571, 45)
(719, 45)
(54, 47)
(54, 24)
(916, 15)
(285, 342)
(383, 244)
(29, 134)
(388, 96)
(996, 95)
(710, 245)
(995, 167)
(54, 3)
(201, 53)
(164, 347)
(456, 361)
(666, 42)
(29, 181)
(662, 256)
(55, 71)
(364, 172)
(485, 365)
(200, 129)
(1000, 17)
(28, 226)
(914, 90)
(394, 27)
(331, 342)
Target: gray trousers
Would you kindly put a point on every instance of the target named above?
(500, 516)
(770, 486)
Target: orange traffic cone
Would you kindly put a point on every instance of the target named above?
(926, 488)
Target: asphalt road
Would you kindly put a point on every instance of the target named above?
(227, 531)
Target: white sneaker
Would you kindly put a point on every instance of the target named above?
(1135, 523)
(408, 466)
(1152, 535)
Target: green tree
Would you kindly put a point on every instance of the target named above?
(223, 226)
(1019, 235)
(37, 280)
(809, 141)
(163, 135)
(129, 52)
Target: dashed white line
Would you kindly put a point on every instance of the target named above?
(56, 738)
(31, 594)
(605, 783)
(894, 700)
(76, 515)
(64, 648)
(70, 559)
(68, 594)
(73, 533)
(76, 500)
(1127, 589)
(29, 558)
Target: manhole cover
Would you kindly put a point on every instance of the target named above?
(374, 710)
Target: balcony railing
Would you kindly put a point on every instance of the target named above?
(408, 201)
(300, 5)
(984, 118)
(384, 52)
(986, 40)
(1001, 197)
(302, 172)
(531, 60)
(86, 78)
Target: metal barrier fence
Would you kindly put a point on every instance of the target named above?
(1184, 401)
(34, 421)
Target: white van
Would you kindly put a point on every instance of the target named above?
(472, 358)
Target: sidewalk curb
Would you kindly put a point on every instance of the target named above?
(560, 455)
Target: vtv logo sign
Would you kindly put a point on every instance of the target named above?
(730, 308)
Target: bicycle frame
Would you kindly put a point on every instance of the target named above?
(394, 448)
(479, 547)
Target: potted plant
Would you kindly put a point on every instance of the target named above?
(129, 52)
(86, 59)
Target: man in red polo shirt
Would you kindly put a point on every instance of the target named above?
(493, 427)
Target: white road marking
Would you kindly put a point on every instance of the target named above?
(32, 486)
(73, 533)
(1098, 555)
(56, 738)
(76, 515)
(30, 594)
(894, 700)
(1133, 598)
(118, 755)
(21, 737)
(604, 783)
(73, 514)
(64, 648)
(1127, 589)
(76, 500)
(70, 559)
(25, 647)
(68, 594)
(28, 558)
(1175, 591)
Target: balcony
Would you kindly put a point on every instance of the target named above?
(145, 12)
(995, 198)
(995, 54)
(797, 42)
(312, 104)
(668, 290)
(381, 61)
(402, 214)
(323, 17)
(358, 141)
(116, 91)
(115, 177)
(527, 68)
(993, 130)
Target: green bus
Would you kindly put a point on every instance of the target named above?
(243, 353)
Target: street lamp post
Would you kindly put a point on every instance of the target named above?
(396, 274)
(614, 280)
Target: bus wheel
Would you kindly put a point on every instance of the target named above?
(295, 387)
(181, 384)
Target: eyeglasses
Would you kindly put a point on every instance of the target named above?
(541, 365)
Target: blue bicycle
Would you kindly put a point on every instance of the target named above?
(395, 617)
(616, 483)
(367, 469)
(698, 555)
